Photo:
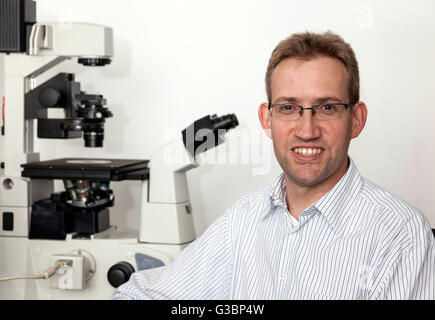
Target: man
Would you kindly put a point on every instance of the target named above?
(321, 231)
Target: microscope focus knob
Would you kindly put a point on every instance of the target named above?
(49, 97)
(120, 273)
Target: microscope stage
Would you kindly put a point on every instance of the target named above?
(89, 169)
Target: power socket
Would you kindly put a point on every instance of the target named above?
(68, 277)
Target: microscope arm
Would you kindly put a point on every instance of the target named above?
(167, 215)
(168, 167)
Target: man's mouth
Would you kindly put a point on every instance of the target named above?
(308, 152)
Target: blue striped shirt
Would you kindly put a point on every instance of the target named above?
(356, 242)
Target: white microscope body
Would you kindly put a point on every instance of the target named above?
(166, 224)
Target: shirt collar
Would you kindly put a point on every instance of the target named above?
(277, 195)
(277, 191)
(334, 205)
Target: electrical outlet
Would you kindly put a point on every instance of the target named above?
(68, 277)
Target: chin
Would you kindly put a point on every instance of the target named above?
(310, 176)
(306, 182)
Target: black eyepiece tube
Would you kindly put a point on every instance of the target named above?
(225, 122)
(207, 132)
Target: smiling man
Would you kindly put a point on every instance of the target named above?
(312, 149)
(321, 231)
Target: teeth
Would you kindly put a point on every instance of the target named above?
(307, 152)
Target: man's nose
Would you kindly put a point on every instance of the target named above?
(306, 126)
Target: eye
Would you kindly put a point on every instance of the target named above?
(328, 108)
(288, 107)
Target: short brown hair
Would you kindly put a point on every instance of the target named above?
(308, 45)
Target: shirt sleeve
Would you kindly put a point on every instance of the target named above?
(412, 276)
(201, 271)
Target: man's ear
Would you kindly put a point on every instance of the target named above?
(359, 117)
(265, 118)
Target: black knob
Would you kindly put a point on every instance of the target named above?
(120, 273)
(49, 97)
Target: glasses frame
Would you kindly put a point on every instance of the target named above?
(301, 108)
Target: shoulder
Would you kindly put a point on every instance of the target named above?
(241, 214)
(396, 215)
(253, 203)
(248, 210)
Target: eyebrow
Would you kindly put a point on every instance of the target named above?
(284, 99)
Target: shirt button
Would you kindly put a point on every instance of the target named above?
(283, 277)
(292, 234)
(275, 202)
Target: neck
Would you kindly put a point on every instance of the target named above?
(300, 197)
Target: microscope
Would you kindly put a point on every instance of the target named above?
(40, 227)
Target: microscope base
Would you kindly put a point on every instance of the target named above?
(24, 256)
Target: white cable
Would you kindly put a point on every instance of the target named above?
(47, 273)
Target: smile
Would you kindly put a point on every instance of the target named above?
(308, 152)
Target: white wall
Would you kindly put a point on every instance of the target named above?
(176, 61)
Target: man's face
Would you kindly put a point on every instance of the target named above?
(320, 80)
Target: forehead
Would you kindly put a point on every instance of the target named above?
(308, 80)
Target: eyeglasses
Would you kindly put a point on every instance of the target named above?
(292, 112)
